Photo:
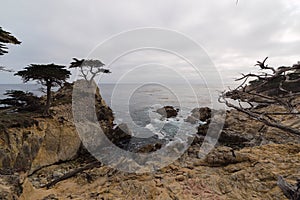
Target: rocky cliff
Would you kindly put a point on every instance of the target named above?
(245, 164)
(252, 174)
(28, 147)
(50, 139)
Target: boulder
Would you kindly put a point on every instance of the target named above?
(234, 140)
(203, 114)
(168, 111)
(223, 156)
(144, 145)
(202, 129)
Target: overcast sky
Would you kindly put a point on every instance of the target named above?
(233, 36)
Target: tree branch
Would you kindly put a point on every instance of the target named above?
(71, 174)
(258, 117)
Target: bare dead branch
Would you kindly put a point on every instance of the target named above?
(71, 174)
(258, 117)
(290, 191)
(281, 88)
(262, 65)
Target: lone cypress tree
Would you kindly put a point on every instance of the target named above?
(49, 75)
(89, 69)
(5, 38)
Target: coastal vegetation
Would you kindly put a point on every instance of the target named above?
(21, 101)
(49, 75)
(6, 38)
(89, 69)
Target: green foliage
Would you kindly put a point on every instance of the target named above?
(22, 101)
(49, 75)
(86, 63)
(5, 38)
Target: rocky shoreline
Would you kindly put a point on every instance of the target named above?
(245, 164)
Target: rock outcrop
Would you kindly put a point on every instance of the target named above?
(245, 164)
(119, 134)
(168, 111)
(50, 140)
(203, 114)
(10, 187)
(240, 131)
(249, 173)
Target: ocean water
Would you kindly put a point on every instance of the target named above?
(136, 105)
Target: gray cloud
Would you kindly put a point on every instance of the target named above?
(233, 36)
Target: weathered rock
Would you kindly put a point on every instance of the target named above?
(50, 197)
(10, 187)
(239, 128)
(143, 145)
(19, 148)
(203, 114)
(60, 143)
(240, 131)
(202, 129)
(168, 111)
(198, 139)
(234, 140)
(122, 137)
(251, 174)
(149, 148)
(57, 174)
(180, 178)
(223, 156)
(119, 134)
(234, 171)
(50, 140)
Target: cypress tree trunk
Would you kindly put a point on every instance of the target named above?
(48, 99)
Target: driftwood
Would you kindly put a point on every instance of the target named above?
(71, 174)
(264, 119)
(290, 191)
(280, 87)
(270, 86)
